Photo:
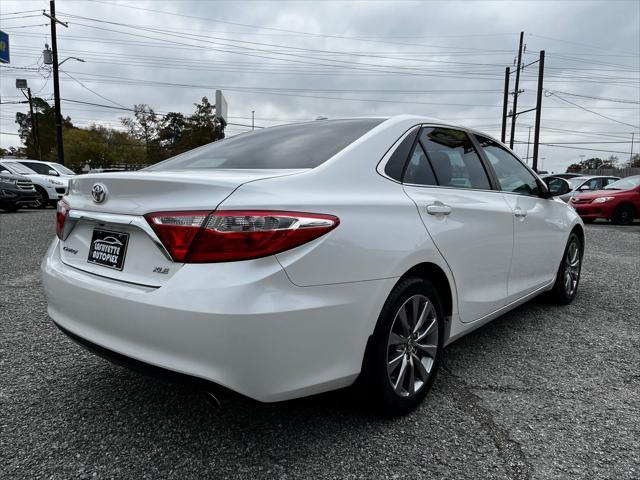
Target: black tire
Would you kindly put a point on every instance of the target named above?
(10, 208)
(565, 290)
(623, 214)
(376, 379)
(43, 199)
(588, 220)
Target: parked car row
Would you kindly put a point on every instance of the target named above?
(593, 197)
(48, 182)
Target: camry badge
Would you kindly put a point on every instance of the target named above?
(99, 192)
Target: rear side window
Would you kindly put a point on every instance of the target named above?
(453, 158)
(398, 159)
(419, 171)
(512, 175)
(303, 145)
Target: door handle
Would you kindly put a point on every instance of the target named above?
(518, 212)
(438, 209)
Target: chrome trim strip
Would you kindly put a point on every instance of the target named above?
(137, 221)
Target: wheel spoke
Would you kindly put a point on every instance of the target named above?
(428, 349)
(412, 377)
(393, 364)
(423, 316)
(415, 312)
(404, 322)
(428, 330)
(403, 371)
(395, 339)
(421, 370)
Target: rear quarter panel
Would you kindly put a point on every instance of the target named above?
(380, 233)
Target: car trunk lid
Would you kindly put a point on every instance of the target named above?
(109, 236)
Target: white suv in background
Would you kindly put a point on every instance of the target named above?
(42, 167)
(50, 188)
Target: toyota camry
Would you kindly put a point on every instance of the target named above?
(302, 258)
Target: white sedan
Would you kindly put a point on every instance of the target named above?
(297, 259)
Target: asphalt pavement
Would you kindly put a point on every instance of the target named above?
(542, 392)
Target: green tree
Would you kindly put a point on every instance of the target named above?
(45, 114)
(593, 164)
(144, 126)
(634, 161)
(202, 127)
(171, 133)
(98, 146)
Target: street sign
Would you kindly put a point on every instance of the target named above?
(4, 47)
(221, 107)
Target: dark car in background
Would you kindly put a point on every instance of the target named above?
(618, 202)
(16, 191)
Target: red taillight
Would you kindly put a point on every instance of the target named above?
(203, 237)
(61, 216)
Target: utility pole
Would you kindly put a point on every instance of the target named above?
(631, 153)
(505, 104)
(253, 118)
(536, 133)
(516, 92)
(34, 126)
(526, 159)
(56, 80)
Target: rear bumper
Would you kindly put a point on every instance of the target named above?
(254, 333)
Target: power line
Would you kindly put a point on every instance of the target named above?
(555, 95)
(92, 91)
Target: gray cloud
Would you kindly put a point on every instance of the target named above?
(347, 51)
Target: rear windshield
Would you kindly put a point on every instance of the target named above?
(303, 145)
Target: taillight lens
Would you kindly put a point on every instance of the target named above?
(61, 216)
(225, 236)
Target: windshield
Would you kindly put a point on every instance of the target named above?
(624, 184)
(302, 145)
(62, 169)
(16, 167)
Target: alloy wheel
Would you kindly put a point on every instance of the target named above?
(412, 345)
(572, 268)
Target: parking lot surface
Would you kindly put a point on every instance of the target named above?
(543, 392)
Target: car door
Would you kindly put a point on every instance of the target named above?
(469, 222)
(539, 228)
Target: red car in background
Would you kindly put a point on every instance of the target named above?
(619, 202)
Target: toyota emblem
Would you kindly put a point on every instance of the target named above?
(99, 192)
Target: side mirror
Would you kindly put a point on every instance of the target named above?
(558, 186)
(53, 173)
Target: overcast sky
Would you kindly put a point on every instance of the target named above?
(295, 60)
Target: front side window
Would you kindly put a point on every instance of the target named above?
(302, 145)
(512, 175)
(608, 181)
(453, 158)
(40, 168)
